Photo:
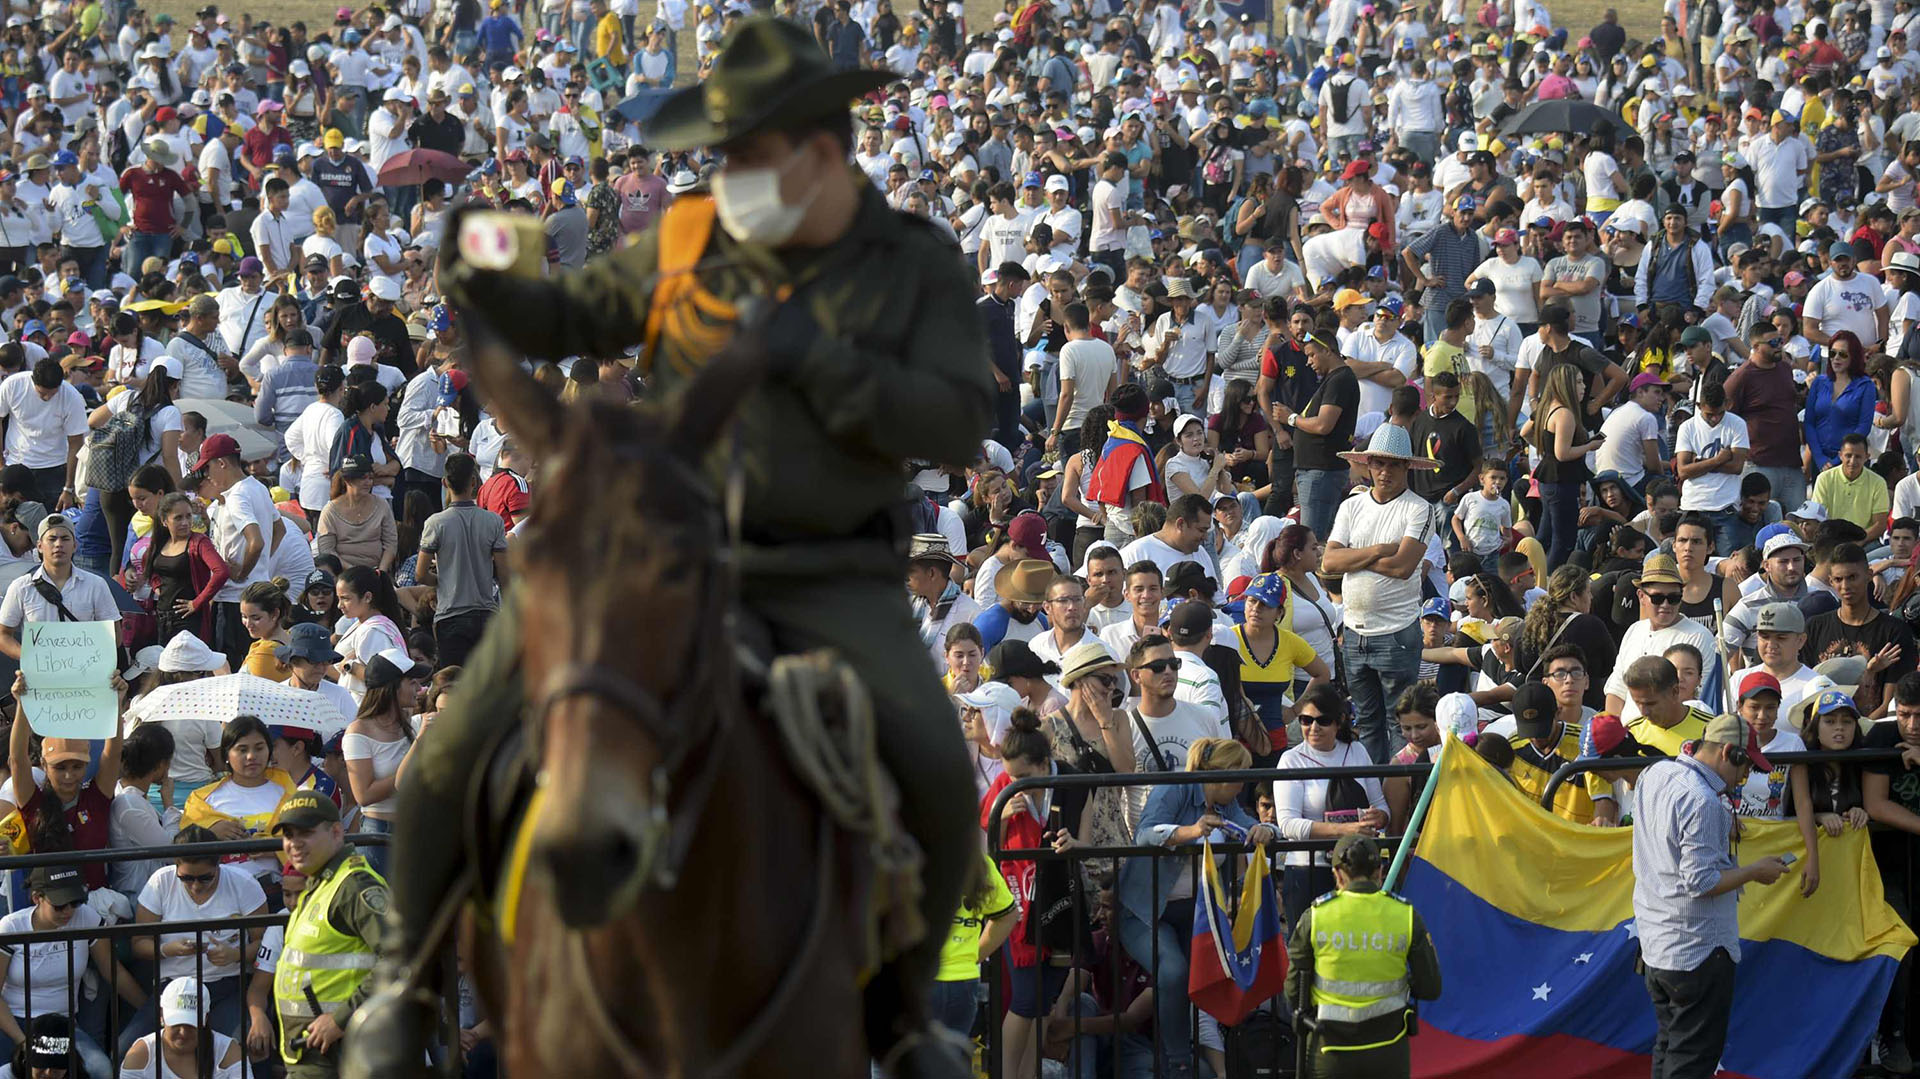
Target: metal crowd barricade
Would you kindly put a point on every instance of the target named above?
(1123, 1057)
(84, 1010)
(1633, 764)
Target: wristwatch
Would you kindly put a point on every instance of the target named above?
(1293, 419)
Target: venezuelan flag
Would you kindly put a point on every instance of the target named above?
(1239, 962)
(1533, 918)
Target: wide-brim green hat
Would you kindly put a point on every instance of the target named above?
(769, 75)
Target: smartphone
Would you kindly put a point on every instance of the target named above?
(1789, 858)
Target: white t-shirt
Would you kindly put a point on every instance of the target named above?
(386, 758)
(1778, 168)
(1003, 237)
(310, 441)
(1397, 350)
(362, 641)
(1300, 802)
(1715, 490)
(1599, 168)
(54, 965)
(1482, 518)
(1642, 639)
(1794, 688)
(1764, 794)
(1513, 286)
(37, 430)
(1374, 602)
(246, 502)
(1847, 305)
(1166, 556)
(1621, 436)
(1173, 733)
(235, 894)
(1109, 198)
(1090, 364)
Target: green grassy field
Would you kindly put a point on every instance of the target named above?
(1641, 17)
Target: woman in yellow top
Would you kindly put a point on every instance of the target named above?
(241, 805)
(1269, 656)
(985, 920)
(266, 612)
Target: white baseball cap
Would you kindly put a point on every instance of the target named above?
(384, 288)
(1057, 182)
(182, 1003)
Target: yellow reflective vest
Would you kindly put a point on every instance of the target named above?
(1360, 946)
(319, 957)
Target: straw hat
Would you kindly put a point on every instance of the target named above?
(1393, 444)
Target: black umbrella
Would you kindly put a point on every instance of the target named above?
(1561, 116)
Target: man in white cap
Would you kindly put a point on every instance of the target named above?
(1378, 540)
(936, 598)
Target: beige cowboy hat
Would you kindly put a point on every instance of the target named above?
(1391, 443)
(1024, 581)
(1083, 659)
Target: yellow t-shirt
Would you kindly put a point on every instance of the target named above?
(960, 958)
(1668, 740)
(1532, 769)
(1441, 356)
(262, 663)
(610, 40)
(1863, 500)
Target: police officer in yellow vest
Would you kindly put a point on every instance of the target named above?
(1359, 958)
(332, 936)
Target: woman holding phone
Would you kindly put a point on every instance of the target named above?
(1323, 808)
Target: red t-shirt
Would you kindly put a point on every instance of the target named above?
(152, 192)
(505, 494)
(88, 818)
(259, 145)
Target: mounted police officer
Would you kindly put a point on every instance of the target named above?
(332, 938)
(1358, 960)
(875, 356)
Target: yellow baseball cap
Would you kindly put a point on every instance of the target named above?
(333, 137)
(1346, 298)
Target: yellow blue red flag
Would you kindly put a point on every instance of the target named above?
(1532, 917)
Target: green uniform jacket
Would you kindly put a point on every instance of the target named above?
(898, 371)
(1423, 975)
(359, 910)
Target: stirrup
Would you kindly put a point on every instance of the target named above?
(388, 1036)
(932, 1052)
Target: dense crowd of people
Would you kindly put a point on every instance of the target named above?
(1354, 386)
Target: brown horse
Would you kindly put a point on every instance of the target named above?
(685, 910)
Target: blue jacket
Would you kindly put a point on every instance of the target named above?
(1829, 420)
(1140, 902)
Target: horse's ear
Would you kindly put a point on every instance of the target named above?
(713, 397)
(521, 404)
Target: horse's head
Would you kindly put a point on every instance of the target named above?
(620, 596)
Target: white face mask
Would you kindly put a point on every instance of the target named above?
(750, 207)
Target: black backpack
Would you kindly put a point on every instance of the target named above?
(1342, 100)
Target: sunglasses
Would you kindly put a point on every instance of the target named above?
(1319, 721)
(1661, 599)
(198, 878)
(1159, 666)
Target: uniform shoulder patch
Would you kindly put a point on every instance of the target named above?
(375, 897)
(1330, 895)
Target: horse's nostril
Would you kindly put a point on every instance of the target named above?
(599, 863)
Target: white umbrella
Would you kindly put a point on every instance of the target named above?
(225, 696)
(233, 418)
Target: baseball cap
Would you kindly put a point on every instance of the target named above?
(1609, 738)
(1782, 542)
(1534, 707)
(213, 448)
(1505, 237)
(1695, 335)
(1346, 298)
(1392, 305)
(1758, 682)
(1190, 623)
(1466, 202)
(1832, 701)
(1645, 379)
(182, 1003)
(61, 884)
(1481, 287)
(1437, 607)
(251, 266)
(1810, 511)
(1840, 249)
(1729, 730)
(55, 750)
(305, 809)
(1028, 531)
(384, 288)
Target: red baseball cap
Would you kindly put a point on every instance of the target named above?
(1757, 681)
(1356, 168)
(1028, 531)
(214, 447)
(1378, 230)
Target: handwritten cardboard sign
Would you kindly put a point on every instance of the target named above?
(69, 667)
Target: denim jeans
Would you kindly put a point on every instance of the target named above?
(1723, 522)
(1789, 484)
(1779, 215)
(1380, 667)
(377, 854)
(1321, 492)
(1424, 144)
(1559, 520)
(93, 263)
(1093, 1056)
(144, 245)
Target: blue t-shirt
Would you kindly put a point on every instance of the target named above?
(498, 35)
